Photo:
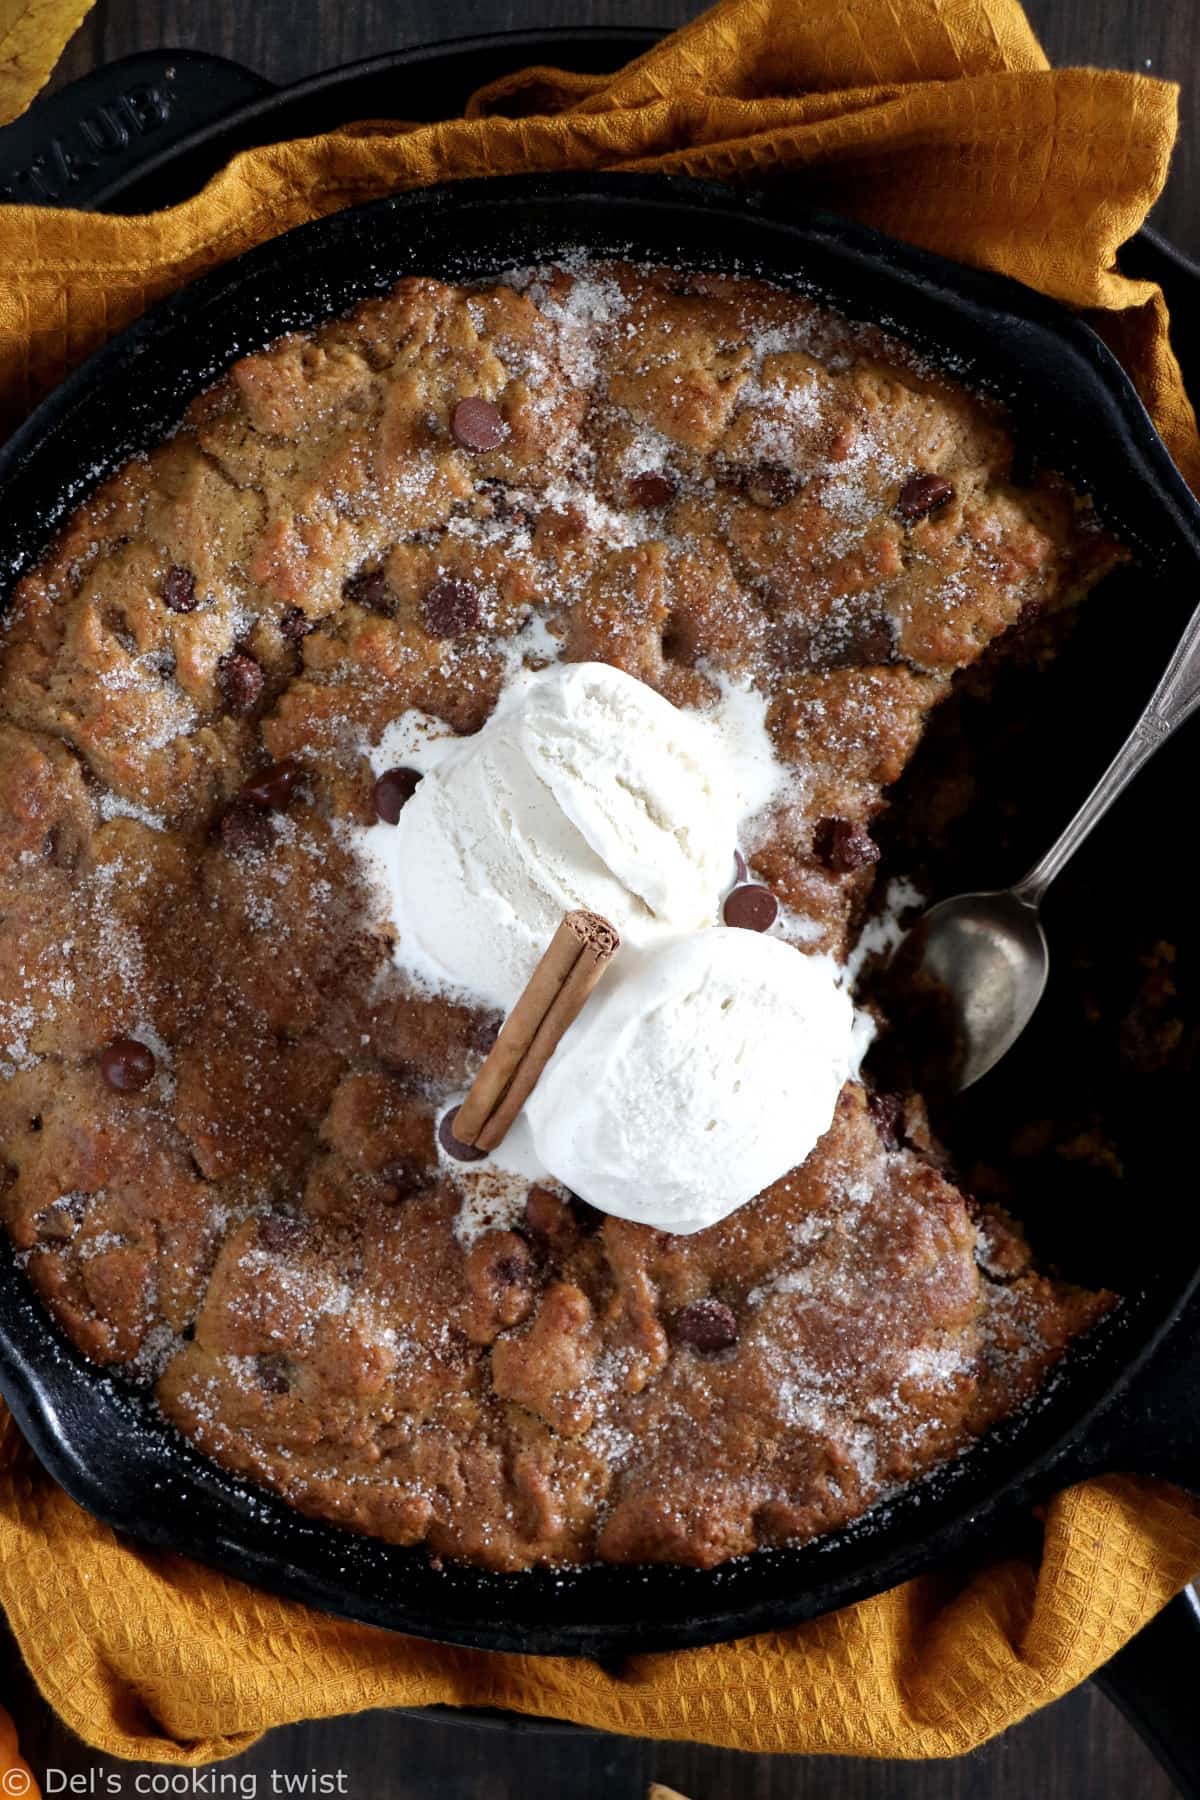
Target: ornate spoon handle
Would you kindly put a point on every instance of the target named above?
(1173, 700)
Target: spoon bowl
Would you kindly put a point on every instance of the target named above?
(985, 959)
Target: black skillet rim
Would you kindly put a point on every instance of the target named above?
(598, 1609)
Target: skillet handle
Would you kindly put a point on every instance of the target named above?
(1153, 1427)
(1153, 1681)
(68, 148)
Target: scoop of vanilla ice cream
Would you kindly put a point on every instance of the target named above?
(585, 788)
(696, 1075)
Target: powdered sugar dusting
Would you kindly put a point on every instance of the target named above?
(704, 494)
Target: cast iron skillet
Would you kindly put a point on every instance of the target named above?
(1066, 395)
(1128, 1402)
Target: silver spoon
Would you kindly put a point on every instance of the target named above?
(987, 953)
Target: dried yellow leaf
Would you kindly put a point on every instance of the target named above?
(32, 36)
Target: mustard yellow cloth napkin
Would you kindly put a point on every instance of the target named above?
(940, 121)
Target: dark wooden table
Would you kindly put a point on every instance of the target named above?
(1081, 1747)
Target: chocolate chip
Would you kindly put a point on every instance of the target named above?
(654, 487)
(560, 525)
(476, 424)
(179, 590)
(847, 641)
(844, 846)
(706, 1326)
(451, 607)
(394, 789)
(127, 1065)
(282, 1233)
(241, 681)
(923, 494)
(512, 1269)
(752, 907)
(404, 1175)
(295, 624)
(887, 1110)
(588, 1218)
(371, 592)
(62, 1218)
(504, 508)
(243, 827)
(766, 483)
(740, 870)
(451, 1145)
(870, 639)
(484, 1033)
(274, 786)
(273, 1372)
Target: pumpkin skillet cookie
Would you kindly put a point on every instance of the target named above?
(594, 586)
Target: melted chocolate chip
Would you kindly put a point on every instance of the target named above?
(870, 639)
(394, 789)
(127, 1066)
(512, 1269)
(588, 1218)
(844, 846)
(295, 624)
(450, 607)
(274, 786)
(404, 1175)
(923, 494)
(854, 641)
(281, 1233)
(887, 1111)
(245, 827)
(767, 483)
(499, 496)
(752, 907)
(371, 592)
(273, 1372)
(706, 1326)
(1031, 615)
(179, 590)
(476, 424)
(654, 487)
(241, 681)
(561, 525)
(451, 1145)
(484, 1033)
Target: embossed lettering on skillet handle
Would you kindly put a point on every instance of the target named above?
(73, 144)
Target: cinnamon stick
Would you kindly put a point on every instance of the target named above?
(577, 956)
